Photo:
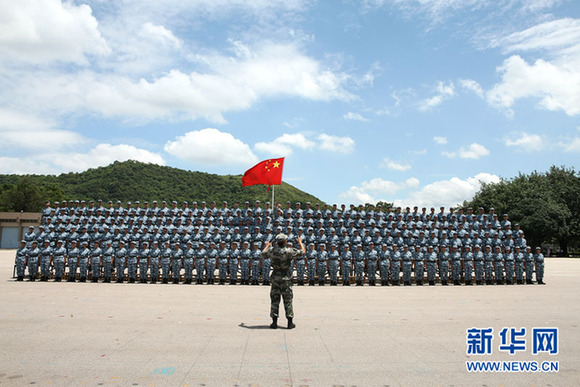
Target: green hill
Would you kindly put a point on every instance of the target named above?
(132, 180)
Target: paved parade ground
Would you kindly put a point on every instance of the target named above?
(210, 335)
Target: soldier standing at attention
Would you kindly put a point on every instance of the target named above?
(396, 266)
(478, 258)
(21, 260)
(407, 257)
(443, 265)
(468, 264)
(311, 257)
(333, 256)
(154, 263)
(133, 256)
(84, 262)
(96, 256)
(256, 256)
(58, 257)
(32, 255)
(212, 255)
(346, 265)
(539, 259)
(46, 256)
(498, 260)
(519, 265)
(372, 258)
(120, 256)
(322, 264)
(529, 261)
(108, 254)
(234, 255)
(176, 258)
(488, 261)
(188, 258)
(282, 257)
(431, 265)
(418, 259)
(144, 263)
(359, 264)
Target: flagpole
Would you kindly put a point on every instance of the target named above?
(273, 204)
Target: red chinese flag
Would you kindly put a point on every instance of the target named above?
(266, 172)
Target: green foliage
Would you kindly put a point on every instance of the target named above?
(132, 180)
(546, 205)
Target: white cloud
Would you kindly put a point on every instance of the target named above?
(471, 85)
(440, 140)
(224, 83)
(22, 131)
(284, 144)
(102, 154)
(376, 190)
(444, 91)
(572, 145)
(447, 192)
(44, 31)
(526, 142)
(473, 151)
(355, 117)
(554, 79)
(393, 165)
(211, 147)
(160, 34)
(336, 143)
(61, 162)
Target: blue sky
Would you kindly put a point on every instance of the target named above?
(409, 101)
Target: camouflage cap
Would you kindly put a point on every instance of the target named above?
(281, 237)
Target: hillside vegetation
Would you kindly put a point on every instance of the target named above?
(132, 180)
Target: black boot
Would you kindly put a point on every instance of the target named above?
(153, 280)
(83, 279)
(359, 283)
(291, 325)
(444, 282)
(274, 324)
(407, 283)
(431, 283)
(165, 280)
(311, 283)
(32, 279)
(107, 280)
(95, 280)
(541, 282)
(20, 278)
(419, 283)
(468, 283)
(320, 283)
(529, 281)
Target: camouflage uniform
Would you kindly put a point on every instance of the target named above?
(385, 264)
(372, 258)
(539, 259)
(282, 258)
(529, 261)
(21, 260)
(346, 265)
(431, 266)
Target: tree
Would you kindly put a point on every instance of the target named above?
(25, 196)
(546, 205)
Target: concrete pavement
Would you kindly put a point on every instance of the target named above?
(75, 334)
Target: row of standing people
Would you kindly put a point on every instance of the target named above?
(464, 263)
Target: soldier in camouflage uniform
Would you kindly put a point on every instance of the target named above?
(346, 265)
(21, 261)
(385, 264)
(84, 262)
(478, 259)
(488, 262)
(539, 259)
(372, 258)
(108, 254)
(418, 259)
(431, 265)
(32, 256)
(519, 265)
(443, 265)
(154, 263)
(529, 261)
(311, 257)
(282, 257)
(120, 258)
(407, 257)
(46, 255)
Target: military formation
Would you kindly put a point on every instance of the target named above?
(206, 243)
